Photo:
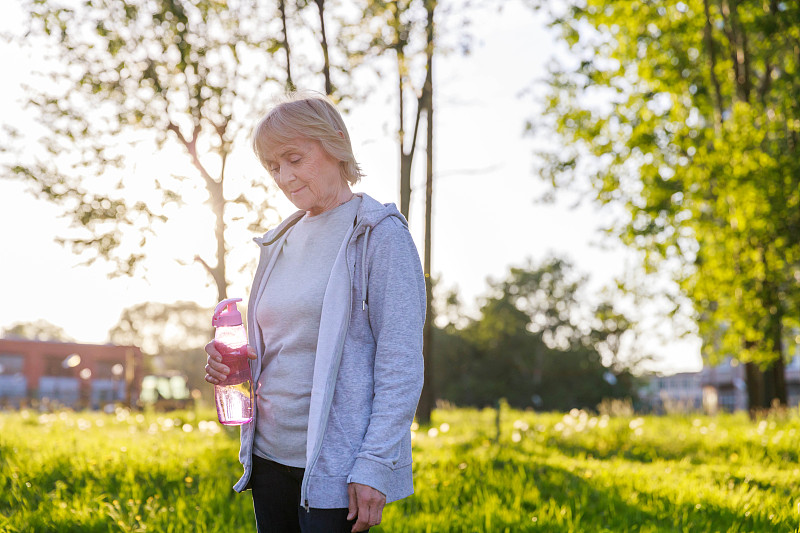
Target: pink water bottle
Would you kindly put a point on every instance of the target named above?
(234, 396)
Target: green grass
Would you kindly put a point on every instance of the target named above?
(547, 472)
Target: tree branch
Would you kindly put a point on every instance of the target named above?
(177, 131)
(191, 148)
(766, 81)
(214, 273)
(712, 57)
(737, 51)
(742, 53)
(205, 265)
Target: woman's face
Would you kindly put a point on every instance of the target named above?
(307, 175)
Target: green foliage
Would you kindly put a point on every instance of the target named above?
(536, 344)
(172, 337)
(686, 114)
(39, 330)
(184, 73)
(546, 472)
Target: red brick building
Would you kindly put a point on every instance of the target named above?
(70, 374)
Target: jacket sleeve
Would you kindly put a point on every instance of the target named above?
(396, 306)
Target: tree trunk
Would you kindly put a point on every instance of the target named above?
(326, 67)
(767, 388)
(406, 157)
(219, 270)
(289, 83)
(775, 375)
(428, 394)
(216, 197)
(755, 388)
(775, 384)
(405, 182)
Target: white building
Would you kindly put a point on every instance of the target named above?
(715, 388)
(674, 393)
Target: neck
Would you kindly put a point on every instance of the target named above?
(344, 195)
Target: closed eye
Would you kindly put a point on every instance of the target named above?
(291, 158)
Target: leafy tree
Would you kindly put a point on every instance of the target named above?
(407, 30)
(684, 114)
(186, 74)
(171, 336)
(39, 330)
(537, 343)
(408, 33)
(190, 76)
(283, 43)
(398, 32)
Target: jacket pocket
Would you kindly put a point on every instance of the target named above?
(338, 453)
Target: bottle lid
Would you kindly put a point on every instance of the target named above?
(227, 314)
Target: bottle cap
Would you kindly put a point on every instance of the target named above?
(227, 314)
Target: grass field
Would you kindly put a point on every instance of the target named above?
(129, 471)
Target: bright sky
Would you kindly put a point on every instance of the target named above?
(485, 217)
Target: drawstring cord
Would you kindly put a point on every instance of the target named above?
(364, 270)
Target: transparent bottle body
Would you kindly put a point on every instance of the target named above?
(234, 396)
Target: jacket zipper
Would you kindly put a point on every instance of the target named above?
(328, 394)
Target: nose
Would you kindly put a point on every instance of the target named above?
(284, 175)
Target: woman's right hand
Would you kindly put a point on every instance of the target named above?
(216, 372)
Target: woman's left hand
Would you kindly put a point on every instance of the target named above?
(367, 504)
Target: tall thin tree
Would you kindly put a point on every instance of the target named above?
(428, 399)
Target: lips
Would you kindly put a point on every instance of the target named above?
(298, 190)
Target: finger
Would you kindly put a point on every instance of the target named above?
(218, 366)
(213, 353)
(375, 501)
(363, 515)
(251, 352)
(217, 374)
(373, 510)
(377, 514)
(360, 525)
(352, 502)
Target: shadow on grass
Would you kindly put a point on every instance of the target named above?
(599, 507)
(648, 451)
(67, 495)
(629, 450)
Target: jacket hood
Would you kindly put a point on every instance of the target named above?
(371, 212)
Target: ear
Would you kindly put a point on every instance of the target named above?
(341, 133)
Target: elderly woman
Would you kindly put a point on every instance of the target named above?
(335, 319)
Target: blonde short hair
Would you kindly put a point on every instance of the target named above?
(310, 115)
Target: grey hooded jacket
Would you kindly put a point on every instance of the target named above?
(368, 370)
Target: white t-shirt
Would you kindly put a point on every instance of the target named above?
(288, 311)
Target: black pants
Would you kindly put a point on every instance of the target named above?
(276, 501)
